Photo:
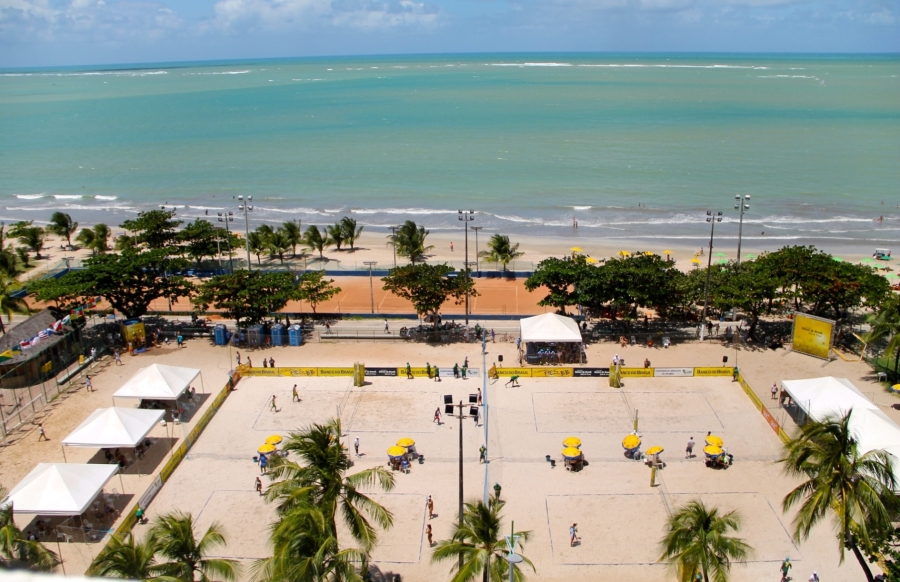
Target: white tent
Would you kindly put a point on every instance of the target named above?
(60, 488)
(158, 382)
(549, 327)
(113, 428)
(823, 397)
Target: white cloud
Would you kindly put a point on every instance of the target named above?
(883, 16)
(284, 14)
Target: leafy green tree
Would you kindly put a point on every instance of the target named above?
(278, 243)
(154, 229)
(427, 287)
(748, 286)
(479, 538)
(305, 549)
(8, 263)
(100, 243)
(174, 538)
(125, 242)
(314, 239)
(317, 478)
(127, 558)
(409, 241)
(501, 250)
(291, 230)
(246, 296)
(886, 552)
(639, 280)
(560, 277)
(86, 238)
(698, 541)
(350, 231)
(886, 324)
(33, 239)
(314, 288)
(336, 234)
(22, 255)
(16, 550)
(130, 281)
(10, 305)
(199, 240)
(61, 224)
(856, 489)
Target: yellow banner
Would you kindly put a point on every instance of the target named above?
(812, 336)
(551, 373)
(520, 372)
(417, 372)
(335, 371)
(720, 371)
(637, 372)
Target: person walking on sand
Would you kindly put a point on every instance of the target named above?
(437, 415)
(479, 397)
(475, 416)
(428, 369)
(88, 384)
(259, 486)
(573, 534)
(387, 329)
(465, 368)
(437, 374)
(263, 463)
(296, 397)
(356, 446)
(774, 391)
(271, 362)
(118, 358)
(42, 436)
(456, 371)
(482, 454)
(249, 362)
(429, 503)
(428, 535)
(814, 577)
(238, 358)
(274, 407)
(785, 569)
(689, 450)
(451, 246)
(409, 375)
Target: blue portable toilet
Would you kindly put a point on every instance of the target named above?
(295, 335)
(278, 334)
(256, 335)
(221, 334)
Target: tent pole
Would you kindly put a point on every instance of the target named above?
(63, 448)
(121, 483)
(62, 562)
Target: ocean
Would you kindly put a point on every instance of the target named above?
(634, 147)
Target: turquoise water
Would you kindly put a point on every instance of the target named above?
(528, 141)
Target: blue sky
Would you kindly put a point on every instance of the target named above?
(81, 32)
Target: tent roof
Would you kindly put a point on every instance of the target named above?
(549, 327)
(114, 427)
(60, 488)
(158, 382)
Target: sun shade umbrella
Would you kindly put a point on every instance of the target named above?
(571, 453)
(632, 441)
(396, 451)
(712, 450)
(572, 442)
(266, 449)
(576, 249)
(695, 260)
(838, 259)
(667, 252)
(722, 261)
(624, 254)
(591, 260)
(749, 256)
(655, 450)
(406, 442)
(720, 255)
(274, 439)
(714, 440)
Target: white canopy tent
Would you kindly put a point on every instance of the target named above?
(158, 382)
(823, 397)
(59, 488)
(114, 428)
(549, 327)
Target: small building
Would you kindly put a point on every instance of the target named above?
(43, 360)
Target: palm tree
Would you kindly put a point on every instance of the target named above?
(125, 243)
(23, 255)
(336, 234)
(277, 243)
(698, 542)
(10, 305)
(409, 241)
(305, 549)
(33, 239)
(857, 489)
(500, 250)
(125, 558)
(291, 230)
(173, 536)
(16, 549)
(351, 231)
(257, 244)
(318, 479)
(61, 224)
(7, 253)
(479, 540)
(314, 239)
(86, 238)
(101, 238)
(886, 323)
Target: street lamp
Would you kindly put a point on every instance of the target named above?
(448, 411)
(712, 218)
(477, 266)
(371, 264)
(512, 543)
(467, 216)
(227, 217)
(246, 208)
(742, 205)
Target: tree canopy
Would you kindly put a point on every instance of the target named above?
(427, 287)
(247, 296)
(314, 288)
(409, 241)
(154, 229)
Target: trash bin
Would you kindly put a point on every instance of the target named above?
(221, 334)
(295, 335)
(278, 334)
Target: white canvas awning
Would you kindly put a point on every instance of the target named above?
(60, 488)
(158, 382)
(549, 327)
(113, 428)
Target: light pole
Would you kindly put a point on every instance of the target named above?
(467, 216)
(742, 205)
(227, 217)
(477, 266)
(512, 544)
(484, 415)
(393, 245)
(712, 218)
(174, 210)
(246, 209)
(448, 411)
(371, 264)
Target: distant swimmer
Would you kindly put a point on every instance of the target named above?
(880, 219)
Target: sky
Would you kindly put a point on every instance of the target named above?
(35, 33)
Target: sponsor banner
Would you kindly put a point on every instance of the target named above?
(720, 371)
(772, 422)
(812, 335)
(636, 372)
(382, 372)
(590, 372)
(551, 373)
(673, 372)
(520, 372)
(335, 371)
(290, 372)
(445, 372)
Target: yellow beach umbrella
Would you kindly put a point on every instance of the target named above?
(712, 450)
(695, 260)
(667, 252)
(396, 451)
(274, 439)
(266, 449)
(624, 254)
(714, 441)
(655, 450)
(576, 250)
(591, 260)
(648, 253)
(632, 441)
(571, 453)
(574, 442)
(405, 442)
